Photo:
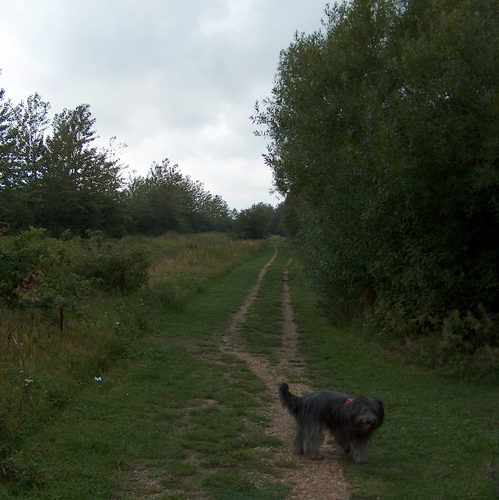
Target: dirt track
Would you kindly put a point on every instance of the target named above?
(310, 479)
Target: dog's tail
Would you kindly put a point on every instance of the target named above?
(288, 400)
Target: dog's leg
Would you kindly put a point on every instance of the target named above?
(313, 439)
(298, 441)
(342, 441)
(360, 451)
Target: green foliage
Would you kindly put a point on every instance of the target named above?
(167, 200)
(6, 140)
(61, 181)
(20, 266)
(493, 477)
(85, 178)
(257, 222)
(289, 224)
(121, 266)
(58, 274)
(383, 131)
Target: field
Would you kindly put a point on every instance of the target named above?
(183, 405)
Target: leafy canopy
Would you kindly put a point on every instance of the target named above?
(383, 131)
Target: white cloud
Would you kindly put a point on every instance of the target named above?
(172, 79)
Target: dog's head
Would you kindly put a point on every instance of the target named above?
(365, 414)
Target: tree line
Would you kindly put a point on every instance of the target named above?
(52, 175)
(383, 130)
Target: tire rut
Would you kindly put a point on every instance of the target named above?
(309, 479)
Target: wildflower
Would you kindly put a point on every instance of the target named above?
(98, 379)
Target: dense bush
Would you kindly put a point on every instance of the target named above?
(37, 272)
(383, 131)
(257, 222)
(21, 260)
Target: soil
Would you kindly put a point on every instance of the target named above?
(309, 479)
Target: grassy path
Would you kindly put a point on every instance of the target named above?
(194, 413)
(306, 479)
(180, 420)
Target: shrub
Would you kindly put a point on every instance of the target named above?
(123, 267)
(383, 135)
(21, 260)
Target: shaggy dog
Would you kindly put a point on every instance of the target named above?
(350, 420)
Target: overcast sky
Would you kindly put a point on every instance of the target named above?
(174, 79)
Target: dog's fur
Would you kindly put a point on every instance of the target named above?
(351, 420)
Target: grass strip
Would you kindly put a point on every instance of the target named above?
(439, 436)
(262, 329)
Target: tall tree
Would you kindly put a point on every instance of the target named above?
(257, 222)
(167, 200)
(25, 165)
(6, 141)
(383, 130)
(80, 182)
(30, 121)
(8, 177)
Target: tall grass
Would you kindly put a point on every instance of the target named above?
(176, 420)
(43, 369)
(192, 261)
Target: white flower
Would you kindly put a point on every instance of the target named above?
(98, 379)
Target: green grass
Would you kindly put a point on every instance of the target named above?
(178, 419)
(42, 369)
(438, 435)
(175, 418)
(263, 327)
